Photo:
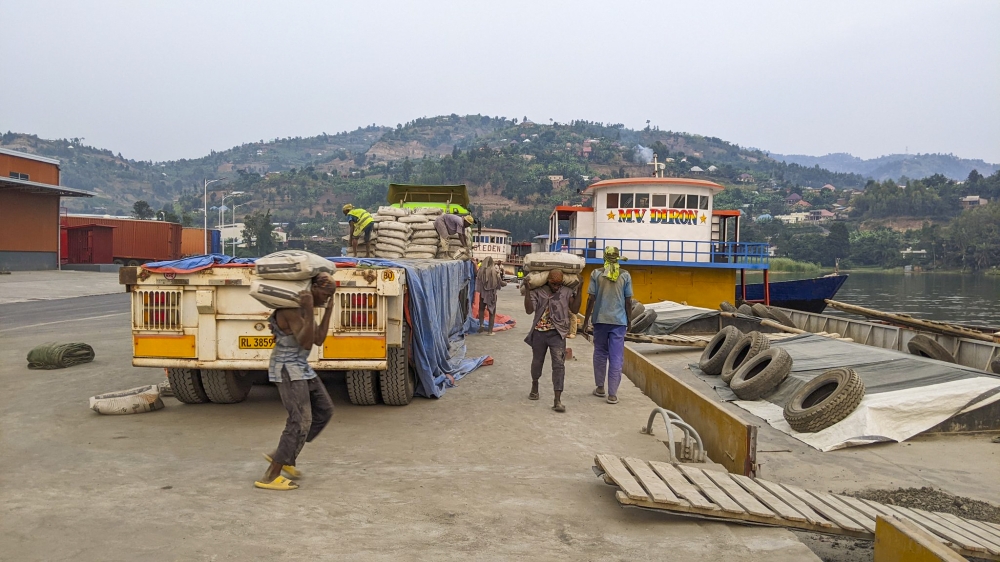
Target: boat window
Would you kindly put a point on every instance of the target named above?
(627, 200)
(692, 201)
(612, 200)
(703, 202)
(676, 200)
(642, 200)
(660, 200)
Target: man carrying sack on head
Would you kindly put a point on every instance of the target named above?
(609, 300)
(551, 304)
(361, 222)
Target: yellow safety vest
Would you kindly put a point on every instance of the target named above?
(364, 219)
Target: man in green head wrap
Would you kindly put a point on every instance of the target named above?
(609, 301)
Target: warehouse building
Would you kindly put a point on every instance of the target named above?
(29, 211)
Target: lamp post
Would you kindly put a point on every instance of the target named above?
(205, 231)
(222, 212)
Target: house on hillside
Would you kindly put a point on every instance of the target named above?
(829, 187)
(971, 201)
(712, 168)
(745, 178)
(696, 170)
(802, 204)
(793, 199)
(792, 218)
(821, 215)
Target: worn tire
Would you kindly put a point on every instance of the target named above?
(995, 366)
(924, 346)
(187, 387)
(397, 381)
(745, 349)
(362, 387)
(779, 316)
(718, 349)
(643, 322)
(726, 306)
(760, 311)
(226, 387)
(637, 308)
(761, 374)
(825, 400)
(745, 310)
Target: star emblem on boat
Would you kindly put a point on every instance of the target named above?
(703, 217)
(611, 216)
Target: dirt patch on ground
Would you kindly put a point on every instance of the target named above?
(930, 499)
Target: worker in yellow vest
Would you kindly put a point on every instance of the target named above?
(360, 222)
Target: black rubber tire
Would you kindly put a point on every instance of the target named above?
(718, 349)
(760, 311)
(762, 374)
(726, 306)
(925, 346)
(745, 349)
(226, 387)
(186, 384)
(745, 310)
(362, 387)
(134, 263)
(397, 381)
(995, 366)
(637, 308)
(780, 317)
(825, 400)
(118, 261)
(641, 323)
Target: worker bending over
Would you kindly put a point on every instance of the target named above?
(551, 304)
(449, 224)
(361, 222)
(302, 392)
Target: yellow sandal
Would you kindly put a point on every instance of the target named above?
(279, 483)
(286, 468)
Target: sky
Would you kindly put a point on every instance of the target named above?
(167, 80)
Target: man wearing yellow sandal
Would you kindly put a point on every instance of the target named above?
(302, 392)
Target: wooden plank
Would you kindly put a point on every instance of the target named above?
(797, 504)
(858, 517)
(681, 486)
(783, 510)
(658, 490)
(699, 479)
(937, 518)
(991, 532)
(739, 495)
(989, 540)
(861, 506)
(951, 537)
(838, 518)
(614, 468)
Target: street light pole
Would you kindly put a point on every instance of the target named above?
(205, 231)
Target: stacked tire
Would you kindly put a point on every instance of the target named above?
(825, 400)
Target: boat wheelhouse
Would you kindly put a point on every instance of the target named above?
(492, 242)
(678, 246)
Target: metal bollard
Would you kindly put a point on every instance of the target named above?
(689, 449)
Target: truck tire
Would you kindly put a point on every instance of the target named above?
(225, 387)
(745, 349)
(760, 311)
(825, 400)
(726, 306)
(745, 310)
(925, 346)
(642, 322)
(187, 387)
(780, 317)
(718, 349)
(762, 374)
(361, 387)
(995, 366)
(396, 381)
(637, 308)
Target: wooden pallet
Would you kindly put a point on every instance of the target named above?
(690, 490)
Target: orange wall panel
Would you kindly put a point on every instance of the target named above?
(41, 172)
(29, 222)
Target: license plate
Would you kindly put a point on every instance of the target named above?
(256, 342)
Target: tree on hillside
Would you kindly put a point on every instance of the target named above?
(838, 242)
(258, 233)
(142, 210)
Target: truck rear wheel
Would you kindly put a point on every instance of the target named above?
(361, 387)
(397, 381)
(226, 387)
(187, 387)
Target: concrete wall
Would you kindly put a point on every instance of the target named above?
(27, 261)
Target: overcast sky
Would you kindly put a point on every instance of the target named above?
(177, 79)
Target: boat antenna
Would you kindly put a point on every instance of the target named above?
(658, 167)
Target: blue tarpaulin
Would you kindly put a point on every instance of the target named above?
(195, 263)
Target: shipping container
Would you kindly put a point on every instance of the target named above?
(193, 242)
(92, 243)
(136, 241)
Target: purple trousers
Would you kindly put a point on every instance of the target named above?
(609, 345)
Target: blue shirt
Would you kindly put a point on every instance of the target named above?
(609, 297)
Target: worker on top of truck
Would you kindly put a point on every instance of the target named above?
(302, 392)
(361, 222)
(449, 224)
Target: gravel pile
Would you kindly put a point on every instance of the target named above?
(930, 499)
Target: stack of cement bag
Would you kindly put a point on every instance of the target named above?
(539, 264)
(404, 233)
(281, 276)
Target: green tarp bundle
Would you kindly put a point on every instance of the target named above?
(59, 355)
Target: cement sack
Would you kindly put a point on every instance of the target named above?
(383, 227)
(429, 211)
(393, 234)
(420, 255)
(388, 255)
(413, 219)
(276, 293)
(547, 261)
(383, 218)
(387, 247)
(536, 279)
(393, 212)
(422, 248)
(132, 401)
(423, 227)
(425, 235)
(292, 265)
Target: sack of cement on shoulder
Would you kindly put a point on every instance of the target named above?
(278, 293)
(132, 401)
(429, 211)
(386, 226)
(420, 255)
(414, 219)
(292, 265)
(538, 278)
(393, 211)
(422, 248)
(547, 261)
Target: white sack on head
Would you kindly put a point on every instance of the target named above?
(293, 265)
(278, 293)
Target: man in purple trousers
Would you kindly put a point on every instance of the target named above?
(609, 302)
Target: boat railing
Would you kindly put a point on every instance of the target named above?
(746, 255)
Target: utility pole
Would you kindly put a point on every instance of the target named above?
(205, 213)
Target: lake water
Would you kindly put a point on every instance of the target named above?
(966, 299)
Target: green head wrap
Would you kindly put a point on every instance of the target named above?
(611, 259)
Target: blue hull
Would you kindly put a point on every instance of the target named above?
(807, 295)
